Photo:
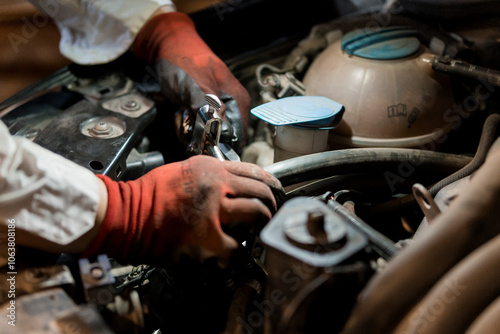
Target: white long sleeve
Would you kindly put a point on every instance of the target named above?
(45, 193)
(98, 31)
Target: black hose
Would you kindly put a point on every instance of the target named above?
(383, 245)
(368, 183)
(359, 160)
(488, 135)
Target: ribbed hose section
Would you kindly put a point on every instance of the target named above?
(457, 67)
(488, 136)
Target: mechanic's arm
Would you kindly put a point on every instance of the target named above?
(99, 31)
(52, 200)
(181, 208)
(187, 68)
(175, 209)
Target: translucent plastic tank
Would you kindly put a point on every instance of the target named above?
(392, 97)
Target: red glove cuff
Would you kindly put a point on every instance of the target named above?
(148, 42)
(116, 234)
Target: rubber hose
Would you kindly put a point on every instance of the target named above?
(460, 296)
(384, 246)
(488, 321)
(357, 160)
(370, 183)
(487, 137)
(470, 221)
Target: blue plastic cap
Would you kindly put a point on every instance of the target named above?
(307, 111)
(384, 44)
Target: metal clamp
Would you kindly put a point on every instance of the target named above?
(426, 202)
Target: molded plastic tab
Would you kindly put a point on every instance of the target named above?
(384, 44)
(307, 111)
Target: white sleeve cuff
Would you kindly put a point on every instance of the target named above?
(46, 194)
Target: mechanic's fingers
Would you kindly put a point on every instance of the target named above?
(252, 171)
(244, 212)
(250, 188)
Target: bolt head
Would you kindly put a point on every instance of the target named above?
(131, 105)
(96, 272)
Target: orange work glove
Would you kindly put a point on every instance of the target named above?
(188, 69)
(180, 208)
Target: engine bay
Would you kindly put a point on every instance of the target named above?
(379, 119)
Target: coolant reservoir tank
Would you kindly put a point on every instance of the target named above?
(384, 79)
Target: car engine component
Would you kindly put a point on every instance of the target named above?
(382, 124)
(385, 80)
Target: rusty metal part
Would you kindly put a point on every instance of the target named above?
(465, 226)
(443, 200)
(131, 105)
(103, 127)
(459, 67)
(107, 86)
(50, 312)
(30, 280)
(426, 202)
(281, 82)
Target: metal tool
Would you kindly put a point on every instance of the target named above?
(207, 131)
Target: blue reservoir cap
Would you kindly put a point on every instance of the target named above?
(383, 44)
(307, 111)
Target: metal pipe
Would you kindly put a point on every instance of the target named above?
(464, 69)
(383, 245)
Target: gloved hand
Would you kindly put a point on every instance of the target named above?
(180, 208)
(188, 69)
